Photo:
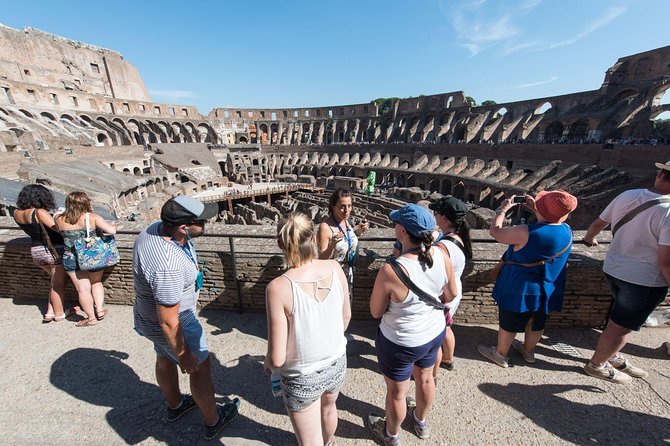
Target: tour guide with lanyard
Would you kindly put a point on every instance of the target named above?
(350, 255)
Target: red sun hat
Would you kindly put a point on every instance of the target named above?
(555, 205)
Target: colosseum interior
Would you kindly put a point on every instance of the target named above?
(74, 116)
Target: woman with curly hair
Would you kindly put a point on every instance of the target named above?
(72, 226)
(46, 248)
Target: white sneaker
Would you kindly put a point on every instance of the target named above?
(621, 364)
(608, 373)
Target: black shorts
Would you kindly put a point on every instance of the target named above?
(633, 303)
(516, 322)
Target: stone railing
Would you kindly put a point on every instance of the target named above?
(239, 261)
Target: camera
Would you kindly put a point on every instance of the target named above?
(519, 199)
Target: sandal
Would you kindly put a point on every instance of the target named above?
(86, 323)
(60, 318)
(100, 315)
(48, 317)
(71, 312)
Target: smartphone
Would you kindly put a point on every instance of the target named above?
(519, 199)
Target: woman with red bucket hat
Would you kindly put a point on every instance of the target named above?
(531, 279)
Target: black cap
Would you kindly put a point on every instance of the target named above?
(184, 210)
(451, 207)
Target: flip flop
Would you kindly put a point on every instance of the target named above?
(100, 315)
(48, 318)
(60, 318)
(86, 323)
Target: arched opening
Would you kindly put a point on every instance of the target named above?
(459, 190)
(102, 138)
(543, 108)
(579, 131)
(411, 181)
(554, 132)
(27, 113)
(434, 185)
(137, 171)
(446, 187)
(401, 180)
(661, 127)
(500, 113)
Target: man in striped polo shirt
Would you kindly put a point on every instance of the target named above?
(167, 283)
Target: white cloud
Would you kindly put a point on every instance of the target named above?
(173, 94)
(611, 14)
(536, 84)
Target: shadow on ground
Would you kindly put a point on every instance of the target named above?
(137, 408)
(589, 424)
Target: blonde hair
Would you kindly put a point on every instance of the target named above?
(295, 236)
(76, 204)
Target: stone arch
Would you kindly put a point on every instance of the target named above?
(543, 108)
(500, 113)
(459, 190)
(48, 115)
(579, 130)
(66, 116)
(27, 113)
(554, 131)
(446, 187)
(103, 139)
(264, 136)
(624, 95)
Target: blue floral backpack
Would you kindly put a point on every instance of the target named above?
(95, 252)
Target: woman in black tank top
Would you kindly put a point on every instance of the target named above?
(32, 208)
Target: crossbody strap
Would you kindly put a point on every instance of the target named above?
(54, 253)
(455, 242)
(631, 214)
(541, 262)
(404, 278)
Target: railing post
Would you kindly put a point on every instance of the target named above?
(237, 280)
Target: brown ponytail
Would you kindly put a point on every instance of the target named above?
(425, 241)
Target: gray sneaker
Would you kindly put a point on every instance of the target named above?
(529, 357)
(226, 414)
(421, 429)
(621, 364)
(491, 354)
(187, 403)
(377, 425)
(608, 373)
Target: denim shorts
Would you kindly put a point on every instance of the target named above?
(633, 303)
(397, 362)
(516, 322)
(194, 337)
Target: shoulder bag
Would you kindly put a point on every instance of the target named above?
(50, 246)
(93, 252)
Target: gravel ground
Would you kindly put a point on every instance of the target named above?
(67, 385)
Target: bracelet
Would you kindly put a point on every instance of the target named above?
(500, 211)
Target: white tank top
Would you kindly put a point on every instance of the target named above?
(458, 260)
(412, 323)
(315, 330)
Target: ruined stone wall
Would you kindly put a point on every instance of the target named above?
(258, 260)
(36, 57)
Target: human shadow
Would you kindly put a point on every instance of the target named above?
(137, 408)
(579, 423)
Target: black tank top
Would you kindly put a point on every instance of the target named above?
(36, 235)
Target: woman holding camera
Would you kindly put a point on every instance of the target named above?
(532, 279)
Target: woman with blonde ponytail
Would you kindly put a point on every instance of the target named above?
(307, 310)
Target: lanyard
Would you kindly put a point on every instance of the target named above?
(345, 233)
(187, 249)
(444, 235)
(409, 251)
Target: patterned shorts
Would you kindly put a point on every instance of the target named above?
(42, 255)
(302, 391)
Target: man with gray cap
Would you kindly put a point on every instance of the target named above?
(637, 268)
(167, 283)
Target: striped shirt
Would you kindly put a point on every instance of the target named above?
(164, 274)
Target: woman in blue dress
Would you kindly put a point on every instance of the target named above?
(532, 281)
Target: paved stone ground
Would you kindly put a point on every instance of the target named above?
(67, 385)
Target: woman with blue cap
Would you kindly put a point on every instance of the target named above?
(413, 325)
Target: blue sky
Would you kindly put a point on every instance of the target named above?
(272, 54)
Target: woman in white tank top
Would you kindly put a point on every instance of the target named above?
(411, 331)
(308, 310)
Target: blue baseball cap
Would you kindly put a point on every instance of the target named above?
(416, 219)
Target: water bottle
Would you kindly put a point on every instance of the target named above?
(275, 382)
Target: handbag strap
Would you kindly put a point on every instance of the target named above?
(631, 214)
(46, 235)
(87, 224)
(541, 262)
(422, 295)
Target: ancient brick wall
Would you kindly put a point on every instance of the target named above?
(258, 260)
